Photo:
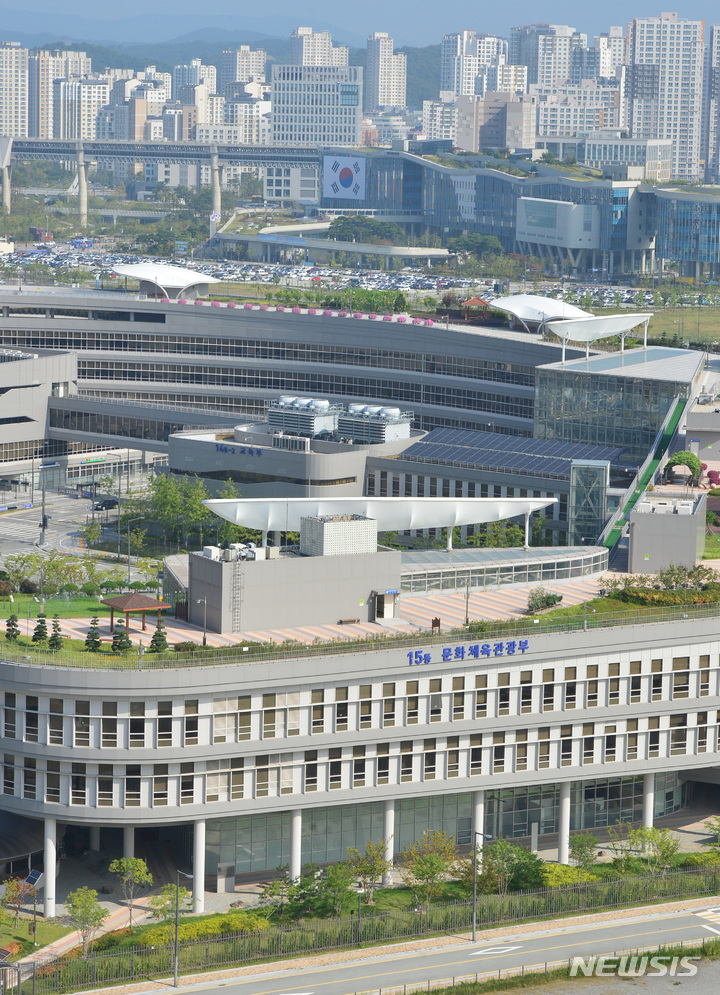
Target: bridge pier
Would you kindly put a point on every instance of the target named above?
(215, 181)
(6, 189)
(82, 187)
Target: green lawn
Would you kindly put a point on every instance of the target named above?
(712, 547)
(47, 932)
(689, 324)
(82, 606)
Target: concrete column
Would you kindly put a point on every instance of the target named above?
(6, 189)
(198, 882)
(50, 867)
(82, 186)
(215, 181)
(648, 813)
(388, 834)
(478, 822)
(94, 837)
(527, 530)
(129, 842)
(564, 824)
(448, 532)
(295, 843)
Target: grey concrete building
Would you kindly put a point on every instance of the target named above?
(666, 530)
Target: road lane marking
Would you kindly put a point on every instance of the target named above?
(494, 950)
(717, 931)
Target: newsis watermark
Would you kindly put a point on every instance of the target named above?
(634, 966)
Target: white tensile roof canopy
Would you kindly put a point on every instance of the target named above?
(536, 310)
(593, 328)
(390, 513)
(171, 281)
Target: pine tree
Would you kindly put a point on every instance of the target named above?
(55, 641)
(12, 629)
(92, 639)
(41, 633)
(158, 643)
(120, 640)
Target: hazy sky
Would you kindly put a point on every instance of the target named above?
(414, 22)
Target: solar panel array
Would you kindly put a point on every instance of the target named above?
(488, 450)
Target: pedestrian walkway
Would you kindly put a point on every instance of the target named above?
(415, 615)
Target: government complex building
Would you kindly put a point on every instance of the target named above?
(246, 763)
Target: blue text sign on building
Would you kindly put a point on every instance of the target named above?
(475, 651)
(220, 447)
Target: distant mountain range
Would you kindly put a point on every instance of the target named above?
(122, 48)
(21, 25)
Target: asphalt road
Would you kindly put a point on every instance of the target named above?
(465, 958)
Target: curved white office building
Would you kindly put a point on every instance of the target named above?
(248, 763)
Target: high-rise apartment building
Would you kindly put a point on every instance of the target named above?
(666, 62)
(546, 50)
(242, 65)
(76, 103)
(385, 73)
(13, 89)
(43, 69)
(315, 48)
(439, 118)
(316, 105)
(463, 57)
(610, 47)
(193, 75)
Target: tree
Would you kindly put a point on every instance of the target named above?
(278, 889)
(41, 633)
(583, 850)
(163, 906)
(92, 639)
(17, 891)
(91, 533)
(12, 629)
(23, 566)
(369, 866)
(55, 641)
(512, 865)
(85, 914)
(619, 844)
(426, 862)
(120, 639)
(134, 874)
(713, 827)
(658, 846)
(137, 540)
(158, 643)
(337, 881)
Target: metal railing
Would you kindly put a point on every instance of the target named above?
(246, 653)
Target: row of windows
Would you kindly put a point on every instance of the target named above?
(321, 711)
(272, 775)
(286, 352)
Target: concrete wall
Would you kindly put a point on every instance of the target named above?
(247, 595)
(657, 540)
(25, 386)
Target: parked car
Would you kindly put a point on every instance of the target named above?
(106, 504)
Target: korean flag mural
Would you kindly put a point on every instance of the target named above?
(344, 177)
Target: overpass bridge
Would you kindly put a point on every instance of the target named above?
(109, 153)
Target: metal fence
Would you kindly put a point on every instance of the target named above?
(477, 631)
(73, 972)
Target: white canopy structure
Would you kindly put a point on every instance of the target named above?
(532, 309)
(592, 328)
(168, 281)
(390, 513)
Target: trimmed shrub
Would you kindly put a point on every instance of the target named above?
(186, 646)
(28, 587)
(709, 859)
(560, 875)
(233, 922)
(90, 588)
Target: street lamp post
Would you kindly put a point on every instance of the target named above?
(203, 601)
(475, 864)
(131, 521)
(361, 892)
(177, 922)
